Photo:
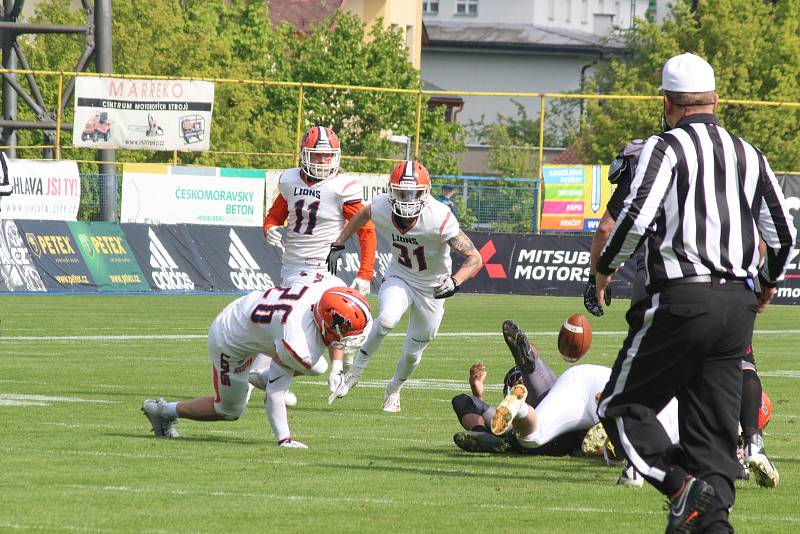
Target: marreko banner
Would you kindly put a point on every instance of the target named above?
(142, 114)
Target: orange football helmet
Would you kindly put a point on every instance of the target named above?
(342, 315)
(409, 187)
(764, 411)
(320, 153)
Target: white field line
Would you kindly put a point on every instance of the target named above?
(183, 337)
(87, 488)
(44, 398)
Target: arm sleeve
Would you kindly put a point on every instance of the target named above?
(277, 214)
(366, 239)
(775, 224)
(617, 199)
(641, 206)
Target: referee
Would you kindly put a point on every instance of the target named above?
(699, 200)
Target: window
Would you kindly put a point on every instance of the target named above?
(567, 10)
(551, 10)
(430, 7)
(467, 7)
(584, 11)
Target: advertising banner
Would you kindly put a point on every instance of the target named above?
(575, 197)
(142, 114)
(17, 270)
(165, 194)
(170, 258)
(56, 255)
(237, 258)
(524, 264)
(789, 289)
(42, 190)
(108, 256)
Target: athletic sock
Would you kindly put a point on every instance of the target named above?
(170, 410)
(751, 402)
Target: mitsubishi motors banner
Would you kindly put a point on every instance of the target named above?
(142, 114)
(165, 194)
(575, 197)
(789, 289)
(43, 190)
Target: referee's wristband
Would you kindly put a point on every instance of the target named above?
(605, 270)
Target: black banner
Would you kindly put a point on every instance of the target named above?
(524, 264)
(236, 258)
(17, 269)
(56, 255)
(169, 257)
(789, 289)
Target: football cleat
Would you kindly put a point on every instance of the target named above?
(290, 399)
(688, 505)
(509, 408)
(163, 427)
(391, 399)
(347, 382)
(258, 378)
(630, 477)
(744, 471)
(290, 443)
(594, 442)
(473, 441)
(763, 469)
(525, 354)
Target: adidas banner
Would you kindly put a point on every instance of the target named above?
(169, 257)
(238, 258)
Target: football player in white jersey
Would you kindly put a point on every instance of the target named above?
(315, 201)
(422, 231)
(293, 326)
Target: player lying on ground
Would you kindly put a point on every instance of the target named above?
(422, 232)
(293, 326)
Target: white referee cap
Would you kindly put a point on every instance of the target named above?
(687, 73)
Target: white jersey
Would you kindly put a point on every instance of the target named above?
(420, 255)
(278, 321)
(315, 217)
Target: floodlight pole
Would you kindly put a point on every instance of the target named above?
(104, 63)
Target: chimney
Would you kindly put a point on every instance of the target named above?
(603, 24)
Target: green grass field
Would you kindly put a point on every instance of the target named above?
(78, 455)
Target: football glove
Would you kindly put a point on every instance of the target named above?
(347, 381)
(448, 288)
(274, 237)
(590, 297)
(333, 258)
(361, 285)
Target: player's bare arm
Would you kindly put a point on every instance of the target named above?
(599, 239)
(464, 247)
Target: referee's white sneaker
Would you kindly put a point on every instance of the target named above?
(756, 459)
(509, 408)
(163, 427)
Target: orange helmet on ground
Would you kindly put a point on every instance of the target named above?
(320, 153)
(764, 411)
(409, 188)
(342, 315)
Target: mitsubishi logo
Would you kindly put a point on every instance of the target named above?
(494, 270)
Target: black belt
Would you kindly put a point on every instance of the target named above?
(697, 279)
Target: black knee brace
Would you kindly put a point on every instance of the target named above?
(464, 404)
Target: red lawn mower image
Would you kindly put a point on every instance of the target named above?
(96, 128)
(193, 127)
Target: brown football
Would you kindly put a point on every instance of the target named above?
(575, 338)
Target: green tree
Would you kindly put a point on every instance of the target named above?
(752, 45)
(235, 40)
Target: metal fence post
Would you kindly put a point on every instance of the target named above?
(541, 166)
(58, 117)
(419, 121)
(298, 132)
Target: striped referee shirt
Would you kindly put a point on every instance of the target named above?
(699, 200)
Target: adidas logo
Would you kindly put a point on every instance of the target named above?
(165, 273)
(247, 274)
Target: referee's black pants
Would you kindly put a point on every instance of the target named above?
(685, 341)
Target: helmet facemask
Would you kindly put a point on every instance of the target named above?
(407, 200)
(313, 165)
